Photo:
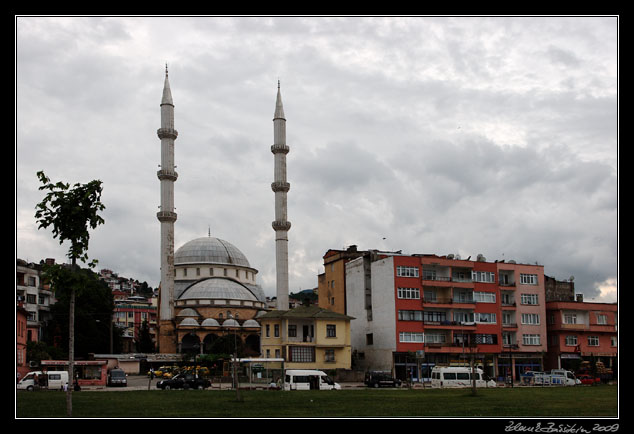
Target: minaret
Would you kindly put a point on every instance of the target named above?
(167, 217)
(281, 225)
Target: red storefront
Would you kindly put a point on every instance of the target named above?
(87, 372)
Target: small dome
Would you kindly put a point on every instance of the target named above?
(191, 322)
(250, 323)
(230, 323)
(210, 322)
(217, 288)
(210, 250)
(188, 312)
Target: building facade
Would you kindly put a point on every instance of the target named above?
(581, 331)
(307, 337)
(35, 296)
(417, 311)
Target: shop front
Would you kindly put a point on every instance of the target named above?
(87, 372)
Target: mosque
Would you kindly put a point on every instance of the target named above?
(208, 290)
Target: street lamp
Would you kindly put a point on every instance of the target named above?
(235, 360)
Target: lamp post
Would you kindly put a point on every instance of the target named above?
(235, 361)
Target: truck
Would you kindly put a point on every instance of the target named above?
(52, 380)
(556, 377)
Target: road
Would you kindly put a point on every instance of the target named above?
(141, 382)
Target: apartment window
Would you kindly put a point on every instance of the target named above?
(276, 330)
(571, 340)
(530, 318)
(602, 319)
(570, 318)
(531, 339)
(268, 330)
(197, 271)
(302, 354)
(411, 337)
(613, 341)
(593, 341)
(429, 274)
(488, 318)
(184, 272)
(292, 331)
(410, 315)
(277, 353)
(429, 295)
(486, 339)
(528, 279)
(211, 271)
(369, 339)
(435, 338)
(32, 281)
(329, 355)
(529, 299)
(30, 298)
(483, 276)
(331, 331)
(484, 297)
(431, 316)
(403, 271)
(408, 293)
(463, 317)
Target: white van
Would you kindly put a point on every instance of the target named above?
(453, 376)
(308, 379)
(52, 380)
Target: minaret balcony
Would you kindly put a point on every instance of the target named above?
(280, 186)
(167, 133)
(281, 225)
(280, 149)
(170, 175)
(166, 216)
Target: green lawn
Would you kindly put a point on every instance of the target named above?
(600, 401)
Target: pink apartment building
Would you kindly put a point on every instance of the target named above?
(581, 331)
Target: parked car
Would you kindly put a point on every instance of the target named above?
(117, 377)
(184, 381)
(588, 379)
(378, 379)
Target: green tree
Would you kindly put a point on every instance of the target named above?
(94, 305)
(70, 212)
(144, 343)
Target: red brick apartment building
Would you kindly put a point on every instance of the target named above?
(417, 311)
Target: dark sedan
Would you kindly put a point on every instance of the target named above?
(184, 381)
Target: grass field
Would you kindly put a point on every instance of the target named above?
(601, 401)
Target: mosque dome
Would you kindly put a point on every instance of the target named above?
(230, 323)
(210, 250)
(250, 323)
(217, 288)
(210, 322)
(189, 322)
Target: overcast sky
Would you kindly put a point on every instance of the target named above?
(463, 135)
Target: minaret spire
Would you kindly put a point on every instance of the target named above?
(167, 176)
(280, 187)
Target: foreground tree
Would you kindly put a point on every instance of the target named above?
(70, 212)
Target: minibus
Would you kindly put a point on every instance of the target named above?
(308, 379)
(455, 376)
(52, 380)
